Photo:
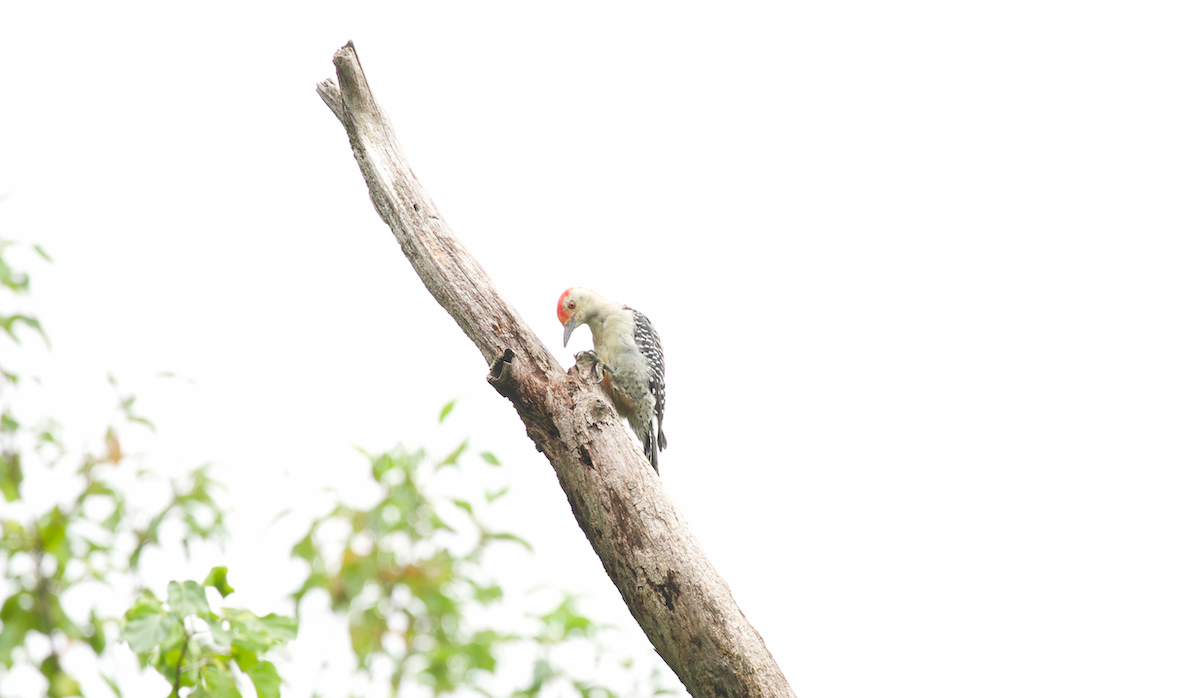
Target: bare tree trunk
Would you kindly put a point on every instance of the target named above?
(646, 547)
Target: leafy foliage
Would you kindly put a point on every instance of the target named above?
(410, 584)
(14, 284)
(71, 545)
(394, 566)
(194, 647)
(17, 284)
(93, 536)
(413, 590)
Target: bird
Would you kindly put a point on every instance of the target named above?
(631, 358)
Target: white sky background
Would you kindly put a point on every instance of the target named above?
(926, 278)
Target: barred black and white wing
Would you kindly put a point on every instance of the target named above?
(648, 343)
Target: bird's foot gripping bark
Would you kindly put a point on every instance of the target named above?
(598, 367)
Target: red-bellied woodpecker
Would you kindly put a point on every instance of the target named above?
(632, 357)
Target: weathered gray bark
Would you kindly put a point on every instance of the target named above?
(646, 547)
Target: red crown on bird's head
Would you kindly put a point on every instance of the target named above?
(563, 315)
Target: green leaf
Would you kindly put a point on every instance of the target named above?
(541, 673)
(565, 622)
(493, 495)
(221, 635)
(464, 505)
(217, 579)
(10, 475)
(9, 322)
(17, 622)
(452, 459)
(147, 632)
(489, 458)
(488, 593)
(42, 252)
(116, 517)
(253, 635)
(481, 649)
(59, 619)
(219, 681)
(446, 411)
(305, 549)
(146, 604)
(250, 634)
(61, 683)
(169, 658)
(187, 599)
(366, 634)
(380, 466)
(281, 628)
(97, 639)
(52, 529)
(266, 679)
(509, 537)
(144, 422)
(112, 684)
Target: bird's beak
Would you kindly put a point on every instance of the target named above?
(568, 328)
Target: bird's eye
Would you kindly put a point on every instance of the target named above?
(570, 305)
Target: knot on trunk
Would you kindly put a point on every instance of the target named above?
(503, 376)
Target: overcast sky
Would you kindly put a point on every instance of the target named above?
(925, 276)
